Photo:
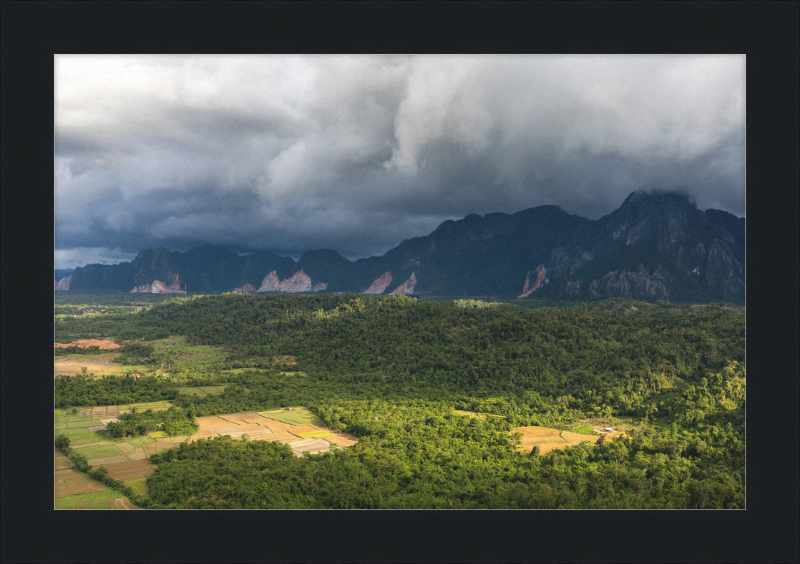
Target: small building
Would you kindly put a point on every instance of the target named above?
(595, 431)
(609, 430)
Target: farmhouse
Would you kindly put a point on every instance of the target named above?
(609, 430)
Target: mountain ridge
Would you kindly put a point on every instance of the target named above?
(656, 245)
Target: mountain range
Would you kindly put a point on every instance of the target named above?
(655, 246)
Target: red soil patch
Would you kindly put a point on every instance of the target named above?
(86, 343)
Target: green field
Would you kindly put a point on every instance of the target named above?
(139, 485)
(583, 430)
(85, 423)
(154, 405)
(98, 451)
(97, 505)
(297, 416)
(139, 441)
(158, 434)
(72, 501)
(84, 439)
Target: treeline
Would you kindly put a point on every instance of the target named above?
(83, 390)
(173, 421)
(74, 349)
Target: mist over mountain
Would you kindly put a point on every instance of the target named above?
(655, 246)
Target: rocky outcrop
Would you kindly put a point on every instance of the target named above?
(62, 284)
(566, 262)
(245, 289)
(534, 281)
(299, 282)
(638, 284)
(271, 283)
(159, 287)
(380, 284)
(406, 288)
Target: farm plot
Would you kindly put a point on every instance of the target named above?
(72, 501)
(295, 416)
(154, 405)
(549, 439)
(70, 482)
(342, 439)
(235, 425)
(311, 446)
(139, 485)
(61, 462)
(130, 470)
(303, 431)
(545, 438)
(578, 438)
(96, 364)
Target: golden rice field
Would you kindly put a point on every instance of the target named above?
(548, 439)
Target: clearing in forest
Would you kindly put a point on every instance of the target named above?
(95, 363)
(548, 439)
(154, 405)
(299, 428)
(86, 343)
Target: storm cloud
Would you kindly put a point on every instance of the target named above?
(357, 153)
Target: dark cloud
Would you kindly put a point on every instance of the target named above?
(290, 153)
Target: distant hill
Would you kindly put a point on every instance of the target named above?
(656, 246)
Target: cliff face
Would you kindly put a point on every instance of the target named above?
(406, 288)
(656, 246)
(62, 284)
(159, 287)
(380, 284)
(638, 284)
(298, 282)
(271, 283)
(156, 287)
(533, 281)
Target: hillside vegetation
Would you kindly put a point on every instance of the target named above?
(393, 370)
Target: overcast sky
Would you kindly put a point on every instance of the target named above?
(358, 153)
